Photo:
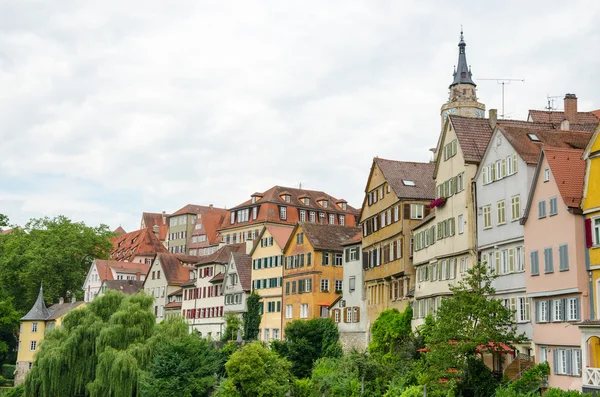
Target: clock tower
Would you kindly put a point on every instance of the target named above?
(463, 96)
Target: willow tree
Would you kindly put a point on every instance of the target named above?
(101, 349)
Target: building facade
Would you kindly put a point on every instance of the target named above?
(183, 223)
(102, 270)
(557, 278)
(313, 273)
(397, 197)
(267, 278)
(139, 246)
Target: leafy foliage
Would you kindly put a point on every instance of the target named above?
(232, 325)
(390, 331)
(9, 325)
(252, 317)
(308, 341)
(532, 379)
(53, 251)
(476, 380)
(8, 371)
(256, 371)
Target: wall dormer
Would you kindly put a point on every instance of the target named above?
(256, 197)
(343, 204)
(285, 196)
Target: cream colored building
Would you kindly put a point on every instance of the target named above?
(267, 276)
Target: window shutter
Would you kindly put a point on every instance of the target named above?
(345, 319)
(589, 241)
(555, 360)
(549, 310)
(569, 362)
(577, 309)
(538, 315)
(563, 309)
(407, 213)
(357, 314)
(426, 210)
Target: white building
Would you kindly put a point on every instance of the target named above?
(102, 270)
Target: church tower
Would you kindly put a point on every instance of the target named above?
(463, 96)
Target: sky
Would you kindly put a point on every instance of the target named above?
(112, 108)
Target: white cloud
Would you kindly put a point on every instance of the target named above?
(146, 106)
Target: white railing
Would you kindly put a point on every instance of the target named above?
(591, 377)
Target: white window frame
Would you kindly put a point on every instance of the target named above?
(596, 231)
(543, 311)
(33, 346)
(304, 310)
(416, 211)
(487, 216)
(289, 311)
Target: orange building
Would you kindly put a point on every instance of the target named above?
(313, 269)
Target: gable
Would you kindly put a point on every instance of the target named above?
(89, 274)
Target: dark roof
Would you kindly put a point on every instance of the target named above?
(118, 231)
(60, 309)
(128, 287)
(529, 150)
(39, 311)
(568, 170)
(420, 173)
(222, 254)
(152, 219)
(328, 237)
(473, 136)
(217, 277)
(178, 292)
(462, 74)
(357, 239)
(196, 209)
(173, 269)
(243, 267)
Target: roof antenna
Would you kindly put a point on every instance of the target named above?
(550, 100)
(504, 82)
(300, 185)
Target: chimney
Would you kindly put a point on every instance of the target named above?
(210, 206)
(61, 300)
(571, 107)
(138, 276)
(155, 230)
(164, 217)
(493, 117)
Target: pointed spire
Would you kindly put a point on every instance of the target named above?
(462, 72)
(39, 311)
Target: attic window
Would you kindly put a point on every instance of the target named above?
(306, 201)
(286, 198)
(253, 199)
(324, 203)
(533, 137)
(408, 182)
(344, 206)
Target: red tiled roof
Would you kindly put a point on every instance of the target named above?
(420, 173)
(530, 150)
(243, 267)
(178, 292)
(151, 219)
(568, 170)
(557, 116)
(139, 243)
(280, 234)
(217, 277)
(328, 237)
(174, 270)
(195, 209)
(473, 136)
(118, 231)
(104, 268)
(187, 258)
(273, 196)
(210, 221)
(222, 254)
(172, 305)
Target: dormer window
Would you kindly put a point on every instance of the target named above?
(408, 182)
(232, 220)
(533, 137)
(133, 240)
(324, 203)
(344, 206)
(286, 197)
(253, 199)
(306, 201)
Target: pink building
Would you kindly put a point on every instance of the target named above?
(557, 279)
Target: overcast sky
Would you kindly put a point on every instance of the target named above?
(111, 108)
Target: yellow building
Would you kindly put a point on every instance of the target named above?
(590, 330)
(34, 325)
(397, 198)
(267, 278)
(313, 269)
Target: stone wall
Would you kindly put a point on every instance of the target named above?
(354, 340)
(21, 370)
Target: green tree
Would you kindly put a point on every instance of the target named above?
(306, 342)
(54, 252)
(252, 317)
(183, 367)
(3, 221)
(256, 371)
(9, 325)
(232, 325)
(469, 323)
(390, 332)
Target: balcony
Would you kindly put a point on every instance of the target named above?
(591, 377)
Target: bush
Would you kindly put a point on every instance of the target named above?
(14, 392)
(5, 382)
(554, 392)
(302, 388)
(8, 371)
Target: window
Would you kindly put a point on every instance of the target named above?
(324, 312)
(288, 311)
(567, 361)
(232, 220)
(535, 263)
(519, 259)
(546, 174)
(499, 169)
(304, 310)
(283, 213)
(342, 220)
(416, 211)
(553, 206)
(34, 327)
(339, 260)
(543, 354)
(543, 311)
(254, 213)
(515, 203)
(548, 260)
(522, 310)
(302, 216)
(324, 285)
(300, 238)
(33, 345)
(542, 209)
(487, 216)
(338, 285)
(504, 262)
(533, 137)
(563, 257)
(501, 212)
(596, 231)
(461, 224)
(325, 259)
(572, 309)
(352, 283)
(311, 216)
(275, 333)
(355, 314)
(557, 310)
(331, 219)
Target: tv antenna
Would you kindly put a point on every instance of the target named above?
(503, 82)
(551, 99)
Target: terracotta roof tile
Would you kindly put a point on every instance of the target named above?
(243, 266)
(118, 231)
(557, 116)
(357, 239)
(395, 172)
(328, 237)
(173, 305)
(217, 277)
(222, 254)
(529, 150)
(174, 270)
(105, 268)
(568, 170)
(211, 221)
(195, 209)
(281, 234)
(473, 136)
(151, 219)
(142, 242)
